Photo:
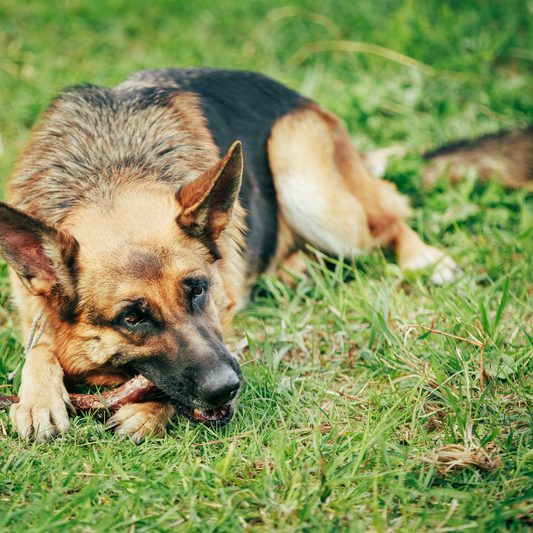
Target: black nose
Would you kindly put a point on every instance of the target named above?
(219, 386)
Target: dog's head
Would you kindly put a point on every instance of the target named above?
(135, 283)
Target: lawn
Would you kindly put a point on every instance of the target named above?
(361, 382)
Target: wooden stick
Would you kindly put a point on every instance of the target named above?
(135, 390)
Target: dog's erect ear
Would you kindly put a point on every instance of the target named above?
(42, 256)
(207, 202)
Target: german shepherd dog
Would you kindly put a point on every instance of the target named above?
(140, 216)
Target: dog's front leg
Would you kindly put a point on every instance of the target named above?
(140, 420)
(42, 410)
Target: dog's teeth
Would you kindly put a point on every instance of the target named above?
(199, 414)
(209, 415)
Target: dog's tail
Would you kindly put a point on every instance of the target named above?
(507, 155)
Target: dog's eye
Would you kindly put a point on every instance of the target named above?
(137, 317)
(132, 319)
(197, 293)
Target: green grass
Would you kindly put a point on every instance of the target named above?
(348, 397)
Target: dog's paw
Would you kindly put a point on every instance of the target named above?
(139, 421)
(443, 267)
(41, 417)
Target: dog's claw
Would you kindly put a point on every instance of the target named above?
(111, 423)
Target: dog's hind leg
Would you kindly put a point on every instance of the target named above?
(310, 188)
(329, 199)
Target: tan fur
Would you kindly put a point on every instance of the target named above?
(292, 268)
(310, 188)
(287, 243)
(139, 221)
(328, 197)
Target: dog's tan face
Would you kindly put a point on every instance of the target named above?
(133, 285)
